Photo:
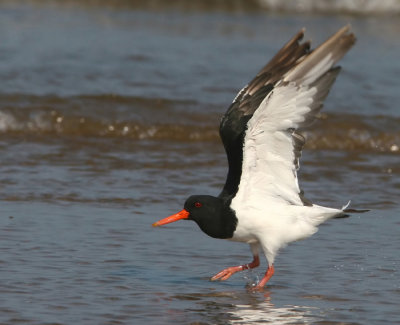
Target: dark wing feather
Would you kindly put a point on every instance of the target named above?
(233, 123)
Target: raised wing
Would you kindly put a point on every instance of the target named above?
(234, 122)
(272, 146)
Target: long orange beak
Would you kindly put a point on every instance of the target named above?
(184, 214)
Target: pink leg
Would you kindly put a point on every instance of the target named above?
(226, 274)
(267, 276)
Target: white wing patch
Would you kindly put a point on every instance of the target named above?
(271, 148)
(269, 170)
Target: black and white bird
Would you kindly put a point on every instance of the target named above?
(261, 203)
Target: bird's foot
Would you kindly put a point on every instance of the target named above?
(260, 286)
(255, 288)
(227, 273)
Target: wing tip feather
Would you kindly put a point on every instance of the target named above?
(332, 50)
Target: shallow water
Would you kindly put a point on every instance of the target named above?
(108, 121)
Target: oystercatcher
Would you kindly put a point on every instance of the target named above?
(261, 202)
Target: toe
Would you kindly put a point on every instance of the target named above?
(225, 274)
(219, 276)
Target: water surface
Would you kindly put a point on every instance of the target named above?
(108, 121)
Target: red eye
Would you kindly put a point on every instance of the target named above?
(198, 205)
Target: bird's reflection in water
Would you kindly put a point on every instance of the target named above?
(245, 307)
(267, 313)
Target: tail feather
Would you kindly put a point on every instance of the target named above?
(356, 210)
(346, 211)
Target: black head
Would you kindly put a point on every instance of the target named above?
(212, 214)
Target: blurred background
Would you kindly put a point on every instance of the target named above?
(109, 114)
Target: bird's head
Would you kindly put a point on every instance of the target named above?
(205, 210)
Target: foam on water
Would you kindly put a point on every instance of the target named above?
(369, 7)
